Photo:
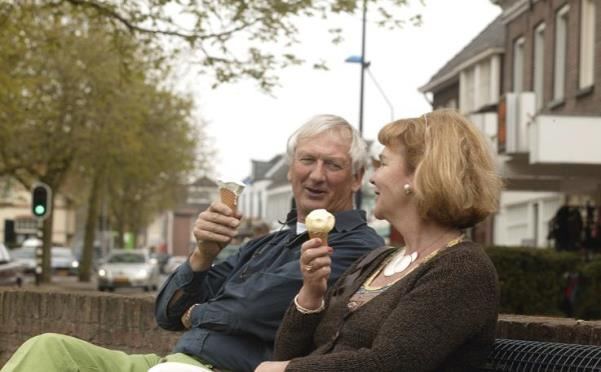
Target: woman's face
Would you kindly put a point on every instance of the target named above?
(388, 180)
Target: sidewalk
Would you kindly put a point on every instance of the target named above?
(71, 284)
(61, 284)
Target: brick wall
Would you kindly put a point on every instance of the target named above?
(575, 101)
(127, 324)
(107, 320)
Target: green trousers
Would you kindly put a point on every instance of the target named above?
(51, 352)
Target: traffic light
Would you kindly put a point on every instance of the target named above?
(41, 195)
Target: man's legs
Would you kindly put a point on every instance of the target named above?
(51, 352)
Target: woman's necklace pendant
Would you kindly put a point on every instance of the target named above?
(399, 264)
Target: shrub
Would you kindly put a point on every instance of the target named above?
(588, 296)
(532, 280)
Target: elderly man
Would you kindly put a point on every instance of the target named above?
(231, 311)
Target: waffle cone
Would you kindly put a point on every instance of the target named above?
(319, 234)
(229, 198)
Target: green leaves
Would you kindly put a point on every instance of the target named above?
(80, 101)
(221, 35)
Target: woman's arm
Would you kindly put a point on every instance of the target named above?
(295, 334)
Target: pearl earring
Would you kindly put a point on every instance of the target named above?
(408, 189)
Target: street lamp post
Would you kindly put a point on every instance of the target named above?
(363, 67)
(359, 193)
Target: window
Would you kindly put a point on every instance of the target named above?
(561, 39)
(587, 44)
(539, 64)
(26, 225)
(468, 83)
(483, 97)
(495, 78)
(518, 65)
(260, 204)
(479, 85)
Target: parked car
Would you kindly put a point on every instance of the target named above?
(128, 268)
(11, 271)
(63, 261)
(97, 254)
(173, 263)
(27, 254)
(161, 259)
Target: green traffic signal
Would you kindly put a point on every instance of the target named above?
(39, 210)
(41, 197)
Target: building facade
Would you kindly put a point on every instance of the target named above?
(172, 231)
(550, 118)
(268, 194)
(530, 82)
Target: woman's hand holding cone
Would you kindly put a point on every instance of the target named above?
(315, 265)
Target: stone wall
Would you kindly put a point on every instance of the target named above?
(108, 320)
(127, 323)
(541, 328)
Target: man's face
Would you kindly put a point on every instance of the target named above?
(321, 174)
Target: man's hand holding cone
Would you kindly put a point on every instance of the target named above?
(216, 226)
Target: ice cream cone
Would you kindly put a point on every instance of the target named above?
(319, 234)
(319, 223)
(229, 198)
(229, 192)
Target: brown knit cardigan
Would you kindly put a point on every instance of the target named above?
(440, 317)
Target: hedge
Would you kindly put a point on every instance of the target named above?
(533, 281)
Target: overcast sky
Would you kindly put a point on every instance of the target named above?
(246, 124)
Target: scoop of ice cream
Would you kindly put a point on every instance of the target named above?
(320, 220)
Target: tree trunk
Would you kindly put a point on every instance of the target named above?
(134, 238)
(120, 235)
(87, 254)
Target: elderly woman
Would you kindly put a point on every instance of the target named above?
(431, 305)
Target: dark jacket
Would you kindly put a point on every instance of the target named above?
(440, 317)
(244, 298)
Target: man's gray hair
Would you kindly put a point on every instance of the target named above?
(323, 123)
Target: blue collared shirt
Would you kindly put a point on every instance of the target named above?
(243, 299)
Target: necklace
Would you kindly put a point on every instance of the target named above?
(367, 285)
(400, 263)
(403, 261)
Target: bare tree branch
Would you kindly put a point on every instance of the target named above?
(190, 37)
